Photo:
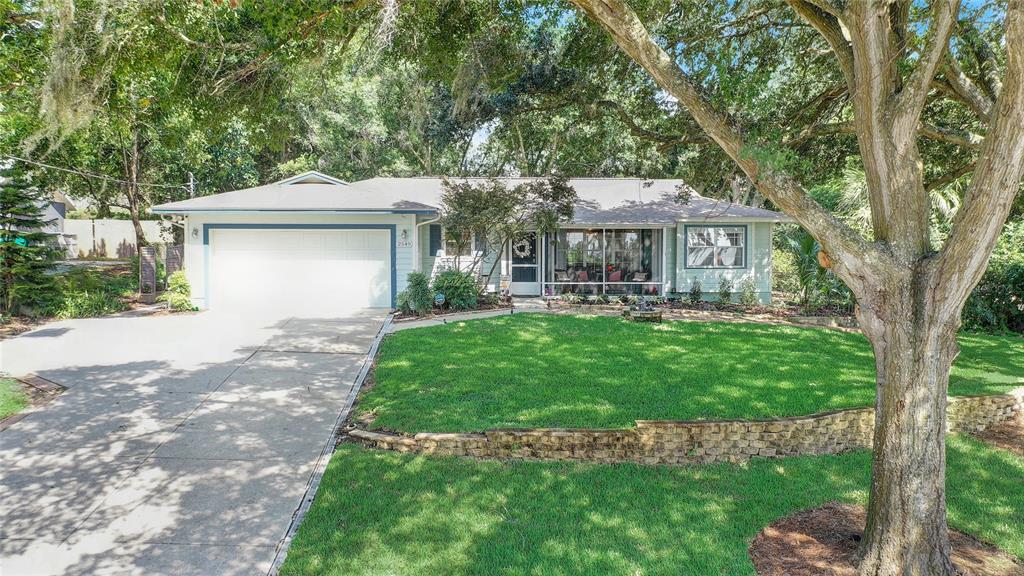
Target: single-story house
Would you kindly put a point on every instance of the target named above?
(315, 244)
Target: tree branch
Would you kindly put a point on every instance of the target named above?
(949, 177)
(915, 91)
(161, 18)
(815, 130)
(825, 20)
(663, 140)
(966, 89)
(943, 86)
(957, 137)
(848, 247)
(826, 6)
(302, 31)
(988, 76)
(820, 103)
(995, 183)
(962, 139)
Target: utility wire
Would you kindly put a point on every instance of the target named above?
(98, 176)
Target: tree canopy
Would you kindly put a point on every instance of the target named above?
(239, 92)
(904, 112)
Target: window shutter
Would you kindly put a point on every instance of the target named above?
(435, 239)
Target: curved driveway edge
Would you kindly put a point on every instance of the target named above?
(325, 455)
(183, 445)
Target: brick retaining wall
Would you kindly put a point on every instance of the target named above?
(679, 442)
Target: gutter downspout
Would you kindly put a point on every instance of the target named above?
(417, 263)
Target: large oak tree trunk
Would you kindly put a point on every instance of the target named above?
(906, 532)
(910, 296)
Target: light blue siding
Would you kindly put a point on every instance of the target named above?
(758, 264)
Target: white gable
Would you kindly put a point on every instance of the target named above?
(312, 177)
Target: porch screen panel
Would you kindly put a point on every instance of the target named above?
(579, 256)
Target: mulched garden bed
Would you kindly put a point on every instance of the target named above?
(14, 325)
(710, 312)
(780, 309)
(824, 541)
(1009, 436)
(438, 313)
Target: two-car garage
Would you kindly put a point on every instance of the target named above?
(309, 246)
(299, 271)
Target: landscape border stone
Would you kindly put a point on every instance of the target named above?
(690, 442)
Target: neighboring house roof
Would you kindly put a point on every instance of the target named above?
(61, 198)
(602, 200)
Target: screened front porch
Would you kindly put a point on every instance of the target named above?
(612, 261)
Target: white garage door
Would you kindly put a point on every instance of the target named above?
(307, 273)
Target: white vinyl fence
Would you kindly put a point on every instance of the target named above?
(108, 238)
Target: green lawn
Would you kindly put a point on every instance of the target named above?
(12, 399)
(388, 513)
(538, 370)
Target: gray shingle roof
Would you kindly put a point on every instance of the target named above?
(602, 200)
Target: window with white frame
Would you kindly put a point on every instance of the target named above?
(716, 246)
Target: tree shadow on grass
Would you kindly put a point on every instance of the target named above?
(383, 511)
(386, 512)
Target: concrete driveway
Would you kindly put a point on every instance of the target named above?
(183, 445)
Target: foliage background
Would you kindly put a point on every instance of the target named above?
(240, 93)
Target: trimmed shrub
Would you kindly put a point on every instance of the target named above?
(748, 292)
(179, 293)
(402, 302)
(696, 292)
(725, 290)
(459, 288)
(418, 296)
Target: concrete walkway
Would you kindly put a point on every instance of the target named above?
(520, 306)
(183, 445)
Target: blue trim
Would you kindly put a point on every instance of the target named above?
(686, 251)
(392, 228)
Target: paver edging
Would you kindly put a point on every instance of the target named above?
(44, 392)
(320, 467)
(688, 442)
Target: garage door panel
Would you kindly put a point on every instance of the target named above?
(317, 273)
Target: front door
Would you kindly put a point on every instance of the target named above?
(524, 266)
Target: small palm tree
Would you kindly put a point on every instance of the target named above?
(810, 274)
(854, 208)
